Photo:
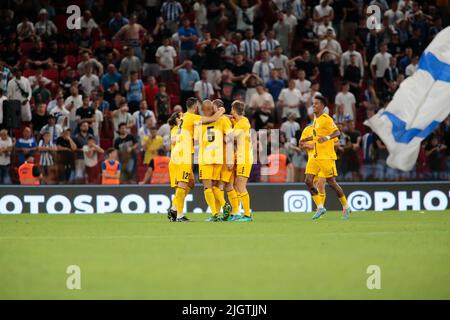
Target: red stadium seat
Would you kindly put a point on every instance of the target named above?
(64, 73)
(25, 48)
(61, 22)
(72, 61)
(106, 143)
(52, 74)
(142, 169)
(28, 73)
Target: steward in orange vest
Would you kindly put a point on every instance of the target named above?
(29, 174)
(160, 168)
(111, 168)
(277, 160)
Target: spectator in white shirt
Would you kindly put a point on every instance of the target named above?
(61, 114)
(39, 76)
(86, 21)
(200, 14)
(244, 14)
(263, 68)
(320, 11)
(19, 88)
(289, 100)
(165, 56)
(346, 57)
(202, 88)
(280, 61)
(323, 28)
(44, 27)
(72, 103)
(3, 98)
(379, 64)
(89, 81)
(302, 83)
(6, 146)
(394, 14)
(347, 100)
(330, 44)
(261, 97)
(412, 67)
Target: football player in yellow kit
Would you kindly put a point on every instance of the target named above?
(319, 182)
(244, 158)
(226, 181)
(185, 150)
(323, 162)
(174, 122)
(210, 159)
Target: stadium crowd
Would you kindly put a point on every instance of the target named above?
(114, 81)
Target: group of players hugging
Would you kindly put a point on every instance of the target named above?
(225, 158)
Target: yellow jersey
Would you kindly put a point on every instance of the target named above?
(151, 147)
(210, 142)
(186, 129)
(226, 126)
(174, 155)
(324, 126)
(243, 140)
(308, 132)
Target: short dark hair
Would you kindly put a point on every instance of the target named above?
(191, 102)
(109, 151)
(173, 118)
(322, 99)
(121, 125)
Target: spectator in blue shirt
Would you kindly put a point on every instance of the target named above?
(110, 82)
(135, 91)
(188, 37)
(188, 77)
(117, 22)
(25, 145)
(275, 84)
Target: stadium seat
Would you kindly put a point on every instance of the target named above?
(61, 22)
(142, 169)
(25, 48)
(72, 61)
(106, 143)
(28, 73)
(52, 74)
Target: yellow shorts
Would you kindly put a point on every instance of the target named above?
(173, 170)
(323, 168)
(225, 174)
(243, 170)
(209, 171)
(184, 173)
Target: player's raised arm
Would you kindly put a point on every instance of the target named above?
(214, 117)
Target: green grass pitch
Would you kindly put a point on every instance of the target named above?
(278, 256)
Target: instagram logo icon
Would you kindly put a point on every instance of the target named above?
(297, 201)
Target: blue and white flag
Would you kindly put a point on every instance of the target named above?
(418, 107)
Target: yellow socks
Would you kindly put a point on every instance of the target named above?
(220, 199)
(234, 201)
(343, 201)
(211, 200)
(318, 200)
(322, 198)
(245, 199)
(178, 200)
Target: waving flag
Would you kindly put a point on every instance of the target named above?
(418, 107)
